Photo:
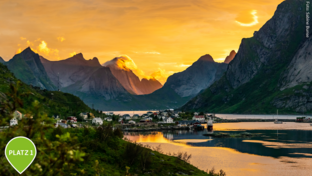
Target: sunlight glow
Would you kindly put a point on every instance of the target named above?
(255, 17)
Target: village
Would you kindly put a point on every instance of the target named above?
(162, 118)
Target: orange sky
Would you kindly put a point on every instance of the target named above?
(161, 37)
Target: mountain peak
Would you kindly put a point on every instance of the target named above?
(28, 50)
(206, 57)
(230, 57)
(94, 62)
(121, 63)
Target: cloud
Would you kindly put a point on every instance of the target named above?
(152, 52)
(61, 39)
(72, 54)
(39, 46)
(124, 62)
(161, 75)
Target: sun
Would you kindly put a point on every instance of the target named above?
(255, 18)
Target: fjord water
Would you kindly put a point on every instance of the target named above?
(280, 149)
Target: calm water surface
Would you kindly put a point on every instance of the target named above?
(284, 149)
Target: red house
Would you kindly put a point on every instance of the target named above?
(72, 119)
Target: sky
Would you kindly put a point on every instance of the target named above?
(161, 37)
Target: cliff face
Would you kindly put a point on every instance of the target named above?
(274, 59)
(28, 67)
(267, 44)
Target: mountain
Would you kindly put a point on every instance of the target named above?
(88, 80)
(181, 87)
(197, 77)
(230, 57)
(27, 67)
(1, 60)
(70, 71)
(121, 68)
(269, 72)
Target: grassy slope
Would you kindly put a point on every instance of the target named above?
(53, 102)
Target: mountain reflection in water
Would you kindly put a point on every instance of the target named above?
(273, 143)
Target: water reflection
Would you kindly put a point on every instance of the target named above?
(273, 143)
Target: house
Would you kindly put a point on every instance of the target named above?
(196, 113)
(135, 116)
(168, 120)
(131, 122)
(126, 117)
(17, 115)
(199, 118)
(13, 121)
(149, 113)
(176, 115)
(155, 113)
(84, 115)
(164, 113)
(72, 119)
(109, 119)
(120, 120)
(97, 121)
(110, 113)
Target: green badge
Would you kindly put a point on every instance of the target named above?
(20, 152)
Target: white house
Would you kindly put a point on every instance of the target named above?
(196, 113)
(84, 115)
(176, 115)
(149, 113)
(126, 117)
(13, 121)
(109, 119)
(168, 120)
(131, 122)
(199, 117)
(17, 115)
(97, 121)
(135, 116)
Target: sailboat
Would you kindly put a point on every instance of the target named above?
(276, 120)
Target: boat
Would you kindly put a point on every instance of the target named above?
(210, 125)
(276, 120)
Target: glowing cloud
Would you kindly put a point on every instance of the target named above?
(72, 54)
(42, 48)
(61, 39)
(124, 62)
(255, 18)
(18, 51)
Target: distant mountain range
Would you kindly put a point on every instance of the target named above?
(114, 86)
(272, 70)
